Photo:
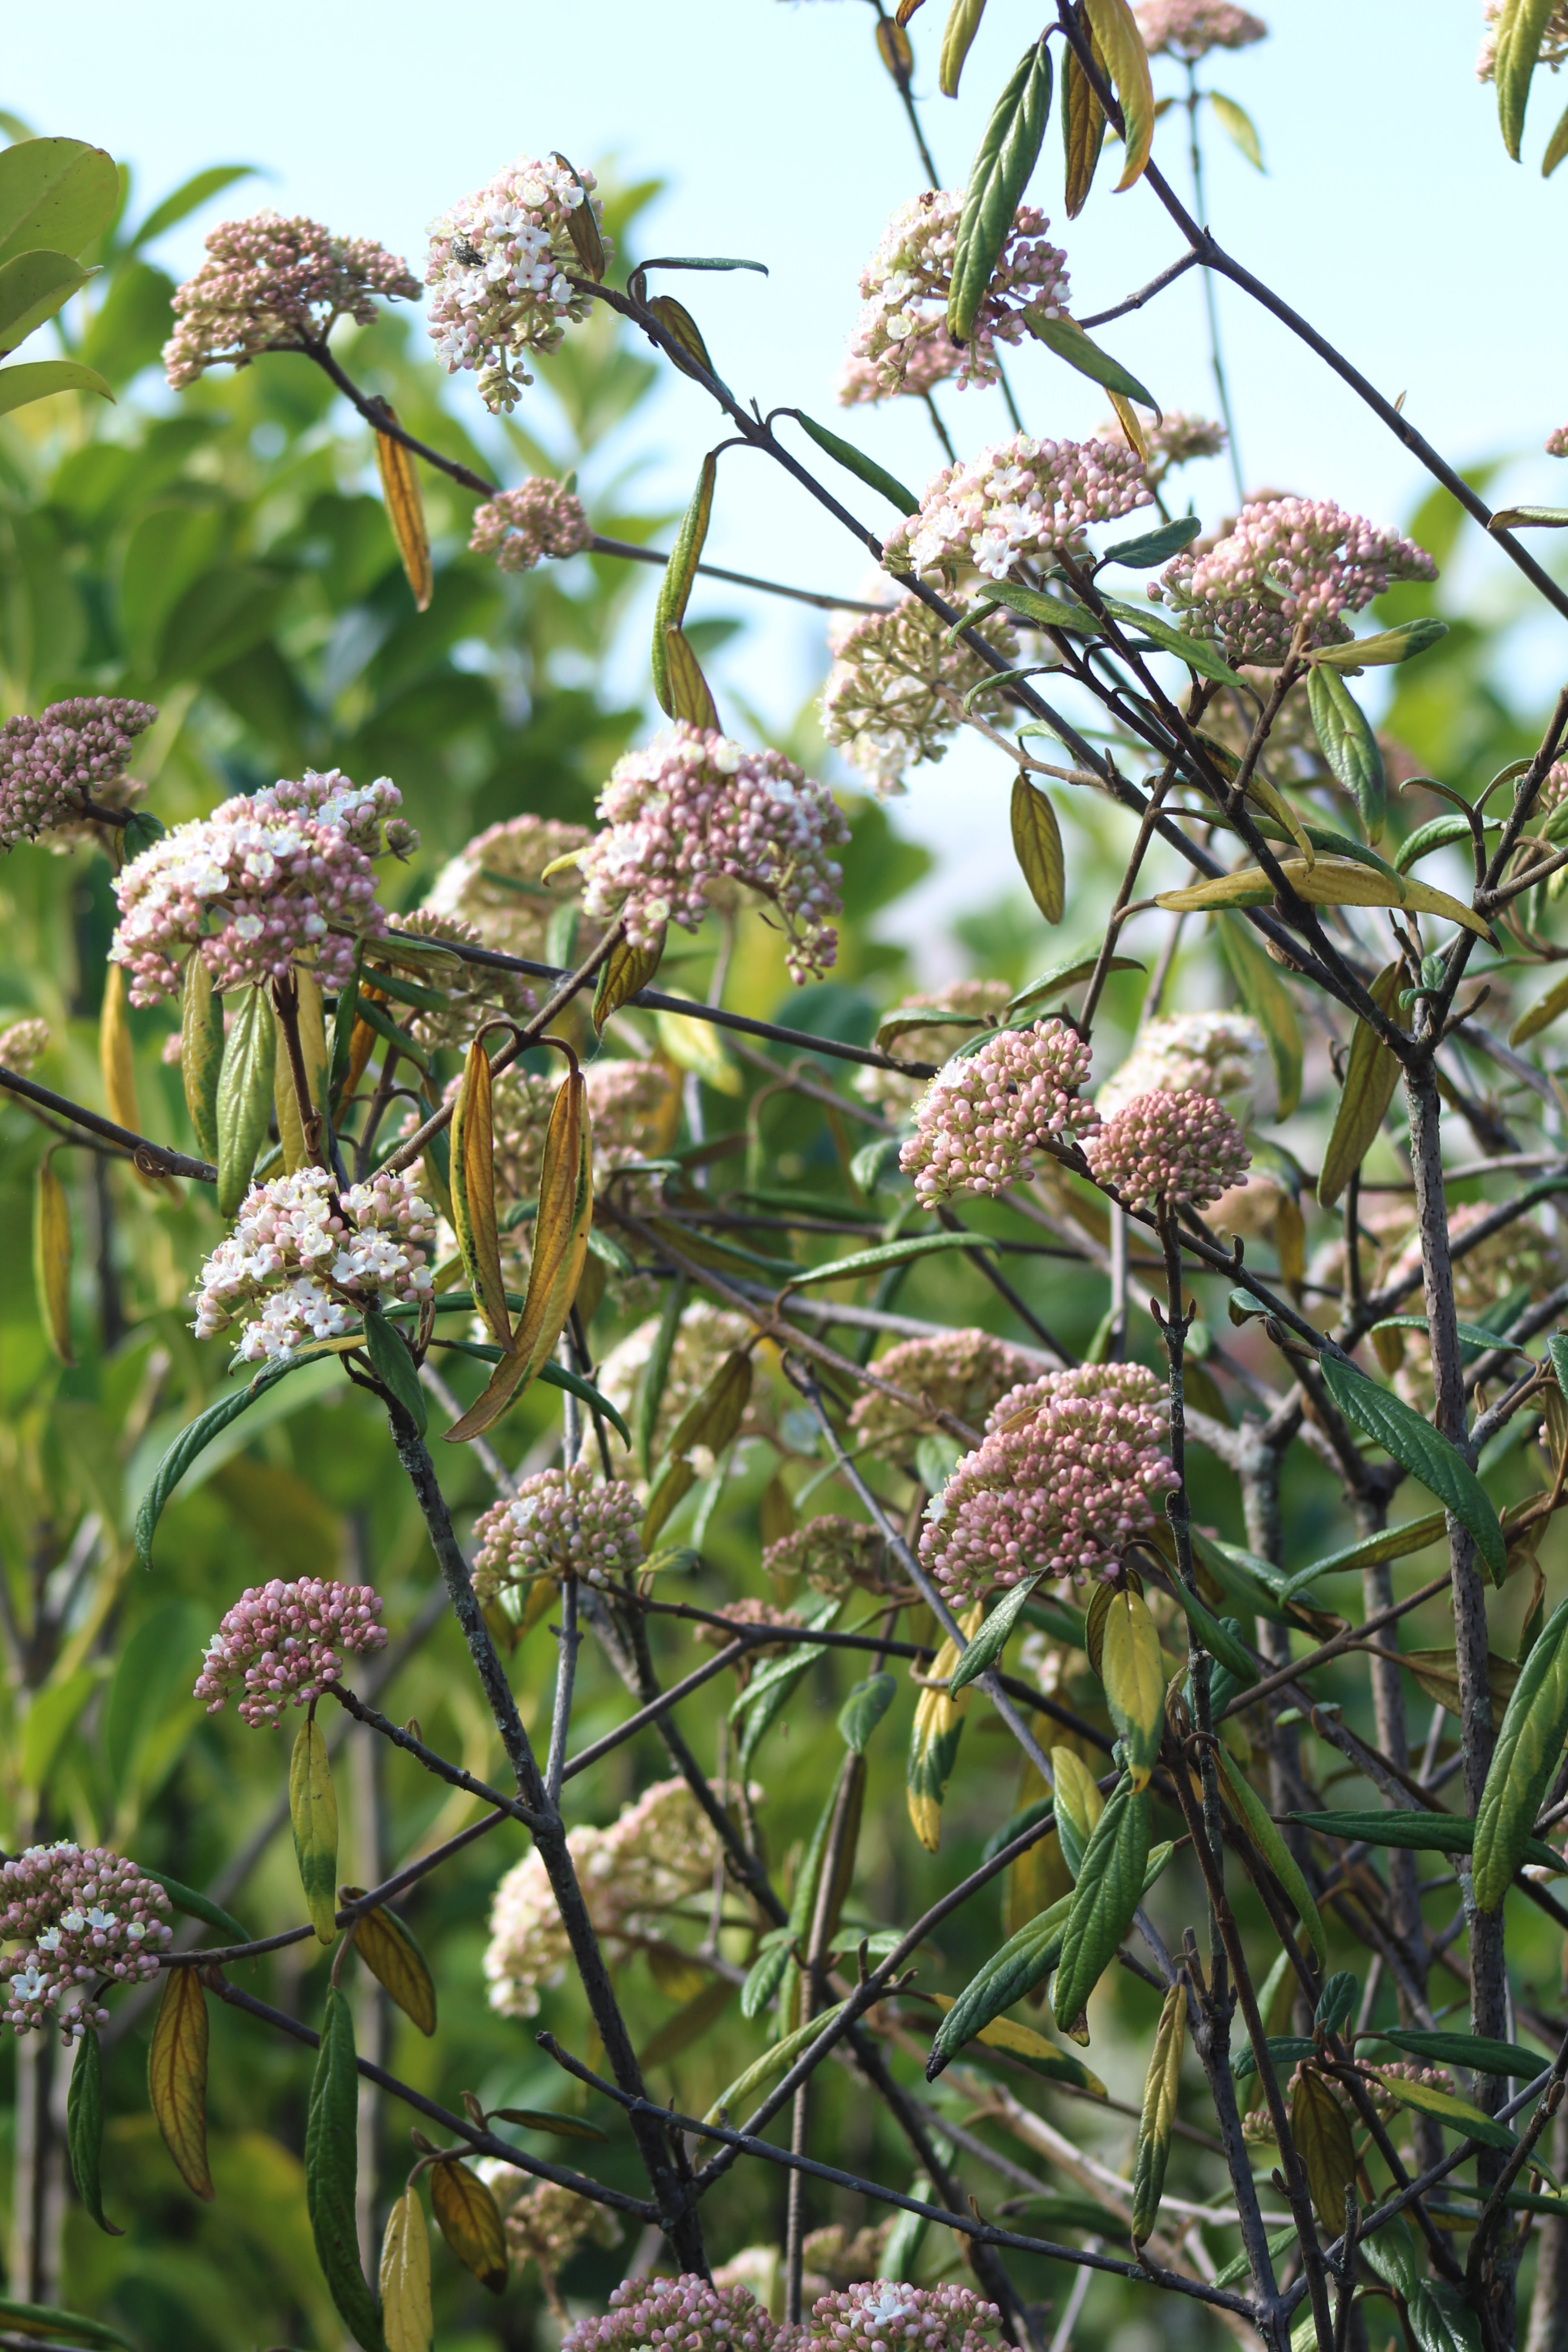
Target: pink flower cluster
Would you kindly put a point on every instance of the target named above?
(83, 1914)
(49, 767)
(22, 1044)
(905, 291)
(560, 1523)
(1188, 29)
(1283, 561)
(1023, 498)
(500, 266)
(929, 361)
(268, 876)
(1162, 1149)
(1557, 442)
(694, 814)
(980, 1118)
(313, 1259)
(680, 2314)
(888, 703)
(520, 528)
(1060, 1491)
(890, 2316)
(962, 1372)
(271, 285)
(494, 882)
(279, 1644)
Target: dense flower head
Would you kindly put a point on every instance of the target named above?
(270, 284)
(1557, 441)
(891, 1092)
(889, 699)
(1025, 498)
(1188, 29)
(835, 1555)
(50, 767)
(693, 815)
(500, 270)
(546, 2222)
(268, 877)
(22, 1043)
(904, 293)
(679, 2315)
(1179, 437)
(560, 1523)
(926, 364)
(83, 1914)
(1162, 1149)
(520, 528)
(982, 1116)
(890, 2316)
(1218, 1052)
(1282, 562)
(313, 1259)
(706, 1335)
(1069, 1472)
(960, 1373)
(476, 993)
(281, 1644)
(1554, 41)
(660, 1850)
(494, 882)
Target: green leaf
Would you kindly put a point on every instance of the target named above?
(1284, 2050)
(1108, 1891)
(331, 2171)
(1471, 2050)
(197, 1906)
(1151, 548)
(1157, 2121)
(764, 1977)
(1037, 846)
(394, 1367)
(58, 193)
(33, 287)
(1134, 1680)
(1474, 1335)
(988, 1644)
(1338, 1999)
(1421, 1833)
(899, 1253)
(769, 2068)
(193, 1440)
(1081, 351)
(1240, 1575)
(1371, 1075)
(864, 1709)
(186, 199)
(998, 176)
(1046, 612)
(313, 1813)
(1557, 1349)
(1212, 1637)
(1532, 518)
(1521, 28)
(1238, 127)
(1267, 999)
(1023, 1961)
(1396, 644)
(64, 2327)
(244, 1095)
(1060, 977)
(1458, 2114)
(84, 2128)
(1529, 1745)
(545, 2120)
(1440, 2321)
(1196, 652)
(768, 1691)
(201, 1051)
(958, 34)
(675, 588)
(1541, 1016)
(1255, 1818)
(41, 379)
(1438, 832)
(1411, 1440)
(854, 461)
(1349, 745)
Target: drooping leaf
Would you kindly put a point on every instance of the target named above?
(998, 176)
(470, 2221)
(689, 695)
(1371, 1075)
(1422, 1832)
(670, 1489)
(992, 1639)
(1333, 881)
(387, 1945)
(406, 512)
(1349, 745)
(1108, 1891)
(1541, 1014)
(1031, 2049)
(52, 1257)
(1458, 2114)
(1471, 2050)
(1401, 643)
(854, 461)
(177, 2076)
(770, 1689)
(1060, 977)
(1521, 28)
(1436, 1673)
(114, 1057)
(1117, 38)
(56, 194)
(1412, 1442)
(196, 1905)
(1391, 1543)
(28, 381)
(1134, 1682)
(331, 2172)
(474, 1192)
(84, 2128)
(187, 198)
(1078, 1805)
(771, 2067)
(1081, 352)
(1238, 128)
(201, 1051)
(1256, 1820)
(934, 1737)
(1321, 2131)
(698, 1046)
(901, 1252)
(675, 588)
(244, 1096)
(623, 972)
(1267, 999)
(958, 34)
(1158, 2118)
(1037, 846)
(393, 1366)
(684, 331)
(193, 1440)
(1083, 126)
(405, 2313)
(313, 1813)
(1529, 1745)
(1211, 1635)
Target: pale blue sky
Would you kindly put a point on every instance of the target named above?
(1390, 214)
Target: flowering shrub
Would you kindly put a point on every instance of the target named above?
(279, 1646)
(682, 2315)
(312, 1259)
(963, 1374)
(1024, 499)
(272, 285)
(1214, 1053)
(1162, 1150)
(57, 768)
(891, 2312)
(494, 882)
(23, 1043)
(86, 1917)
(558, 1524)
(982, 1116)
(1189, 29)
(904, 293)
(1285, 563)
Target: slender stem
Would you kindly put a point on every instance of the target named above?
(152, 1159)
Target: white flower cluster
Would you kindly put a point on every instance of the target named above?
(1210, 1052)
(1025, 498)
(500, 270)
(905, 290)
(887, 705)
(314, 1260)
(87, 1918)
(659, 1851)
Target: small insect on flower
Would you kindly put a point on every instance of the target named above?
(500, 269)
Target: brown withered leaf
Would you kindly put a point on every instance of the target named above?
(405, 511)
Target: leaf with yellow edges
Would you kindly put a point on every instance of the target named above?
(406, 512)
(177, 2076)
(474, 1192)
(1121, 43)
(1332, 882)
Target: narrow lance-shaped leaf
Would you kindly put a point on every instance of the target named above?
(1541, 1014)
(177, 2076)
(1529, 1745)
(1400, 643)
(864, 1709)
(84, 2128)
(114, 1055)
(933, 1739)
(683, 330)
(1108, 1891)
(52, 1257)
(770, 2068)
(469, 2220)
(1069, 342)
(1267, 999)
(1332, 881)
(244, 1096)
(1083, 126)
(1256, 1820)
(1424, 1450)
(1521, 28)
(1238, 128)
(406, 2312)
(675, 588)
(1471, 2050)
(1371, 1075)
(201, 1050)
(1157, 2121)
(1421, 1831)
(1021, 2041)
(393, 1366)
(958, 35)
(1348, 746)
(474, 1192)
(1078, 1805)
(854, 461)
(992, 1639)
(1134, 1682)
(688, 691)
(997, 178)
(313, 1813)
(388, 1946)
(331, 2171)
(406, 512)
(1037, 846)
(1320, 2129)
(193, 1440)
(1458, 2114)
(1118, 39)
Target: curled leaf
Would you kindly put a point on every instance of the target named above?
(474, 1192)
(1371, 1075)
(997, 178)
(405, 511)
(1037, 846)
(958, 34)
(52, 1257)
(1157, 2121)
(331, 2172)
(1119, 40)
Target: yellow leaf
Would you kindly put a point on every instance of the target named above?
(114, 1053)
(1541, 1014)
(625, 971)
(1436, 1673)
(313, 1811)
(1121, 43)
(52, 1257)
(177, 2076)
(1371, 1075)
(470, 2223)
(934, 1740)
(406, 2315)
(1038, 846)
(688, 689)
(670, 1489)
(473, 1193)
(559, 1246)
(406, 512)
(1083, 126)
(1158, 2119)
(962, 24)
(1132, 423)
(1077, 1801)
(1322, 2132)
(1134, 1682)
(1331, 882)
(395, 1961)
(695, 1046)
